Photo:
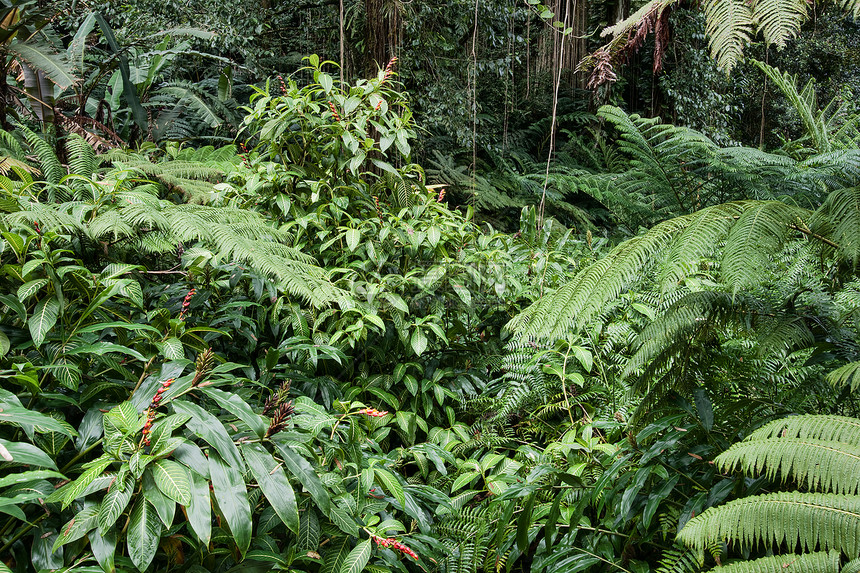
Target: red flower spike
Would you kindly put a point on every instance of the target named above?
(373, 412)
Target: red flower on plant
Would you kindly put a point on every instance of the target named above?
(373, 412)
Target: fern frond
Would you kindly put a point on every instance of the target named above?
(758, 232)
(839, 217)
(820, 465)
(779, 20)
(51, 167)
(808, 520)
(729, 28)
(848, 375)
(82, 157)
(820, 562)
(812, 427)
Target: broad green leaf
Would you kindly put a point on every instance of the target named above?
(418, 341)
(77, 487)
(129, 89)
(232, 497)
(336, 555)
(326, 82)
(144, 532)
(78, 526)
(303, 471)
(30, 288)
(164, 507)
(433, 236)
(463, 479)
(24, 477)
(114, 503)
(102, 348)
(43, 320)
(353, 236)
(104, 548)
(199, 511)
(23, 417)
(41, 553)
(41, 57)
(172, 349)
(343, 520)
(24, 453)
(309, 531)
(357, 558)
(524, 523)
(5, 345)
(190, 454)
(172, 479)
(273, 481)
(586, 360)
(209, 428)
(391, 484)
(239, 408)
(350, 104)
(464, 293)
(121, 419)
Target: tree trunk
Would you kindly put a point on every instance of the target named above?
(383, 32)
(574, 14)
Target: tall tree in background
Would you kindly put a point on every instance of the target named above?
(384, 31)
(553, 55)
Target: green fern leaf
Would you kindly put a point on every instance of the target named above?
(819, 465)
(779, 20)
(808, 520)
(820, 562)
(729, 28)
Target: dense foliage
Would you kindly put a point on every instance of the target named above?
(423, 303)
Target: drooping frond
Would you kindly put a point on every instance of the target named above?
(819, 562)
(729, 28)
(676, 247)
(820, 465)
(803, 101)
(52, 170)
(82, 157)
(812, 427)
(852, 6)
(779, 20)
(848, 375)
(194, 179)
(583, 297)
(839, 218)
(808, 520)
(759, 231)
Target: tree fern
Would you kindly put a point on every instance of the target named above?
(729, 28)
(828, 466)
(779, 20)
(813, 427)
(820, 562)
(848, 375)
(674, 254)
(782, 519)
(839, 218)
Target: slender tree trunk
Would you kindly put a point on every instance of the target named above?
(383, 32)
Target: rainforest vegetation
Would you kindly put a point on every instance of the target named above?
(332, 286)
